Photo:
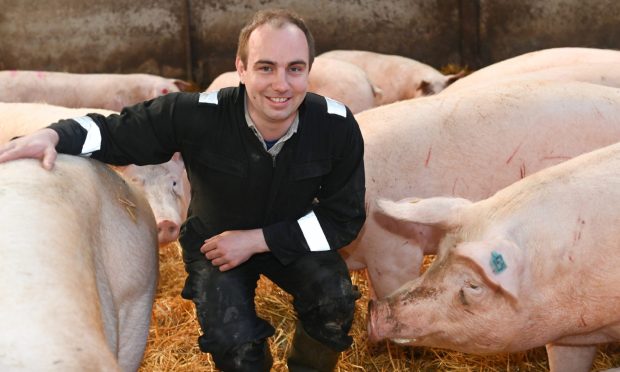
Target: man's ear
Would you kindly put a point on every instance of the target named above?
(240, 69)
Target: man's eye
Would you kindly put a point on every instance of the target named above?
(265, 68)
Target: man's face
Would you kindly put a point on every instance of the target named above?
(276, 75)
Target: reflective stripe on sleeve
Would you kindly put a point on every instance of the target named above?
(313, 233)
(208, 97)
(335, 107)
(93, 135)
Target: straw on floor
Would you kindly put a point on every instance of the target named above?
(172, 343)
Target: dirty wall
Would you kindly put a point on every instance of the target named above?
(196, 39)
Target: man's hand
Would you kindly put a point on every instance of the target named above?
(232, 248)
(38, 145)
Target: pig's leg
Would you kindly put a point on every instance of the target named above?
(134, 321)
(570, 358)
(391, 261)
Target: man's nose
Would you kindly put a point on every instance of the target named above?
(280, 82)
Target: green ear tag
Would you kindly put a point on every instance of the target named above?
(497, 262)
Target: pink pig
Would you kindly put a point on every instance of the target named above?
(106, 91)
(397, 77)
(165, 186)
(535, 264)
(467, 144)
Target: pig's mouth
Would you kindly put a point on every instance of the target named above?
(390, 328)
(404, 341)
(420, 339)
(376, 334)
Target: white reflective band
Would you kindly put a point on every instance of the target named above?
(93, 135)
(208, 97)
(313, 233)
(335, 107)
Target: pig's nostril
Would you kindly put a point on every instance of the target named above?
(167, 231)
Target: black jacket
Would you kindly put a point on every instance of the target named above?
(236, 185)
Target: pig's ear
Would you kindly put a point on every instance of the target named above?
(500, 260)
(177, 158)
(426, 88)
(454, 77)
(442, 211)
(186, 86)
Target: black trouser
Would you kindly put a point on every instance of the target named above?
(320, 284)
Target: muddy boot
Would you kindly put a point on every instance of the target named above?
(249, 357)
(309, 355)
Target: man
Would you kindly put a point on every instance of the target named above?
(277, 187)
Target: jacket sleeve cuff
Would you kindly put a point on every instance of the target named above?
(71, 136)
(279, 239)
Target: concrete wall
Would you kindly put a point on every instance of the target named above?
(196, 39)
(509, 28)
(93, 36)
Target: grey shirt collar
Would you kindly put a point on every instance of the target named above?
(275, 149)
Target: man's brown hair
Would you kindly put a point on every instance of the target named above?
(276, 18)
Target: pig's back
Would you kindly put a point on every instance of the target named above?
(342, 81)
(536, 61)
(18, 119)
(472, 144)
(225, 79)
(585, 188)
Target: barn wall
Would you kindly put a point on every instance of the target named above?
(196, 39)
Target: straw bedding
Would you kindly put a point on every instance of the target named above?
(172, 343)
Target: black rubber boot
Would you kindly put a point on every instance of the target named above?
(249, 357)
(309, 355)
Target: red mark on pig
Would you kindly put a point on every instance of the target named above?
(577, 234)
(40, 74)
(513, 153)
(164, 91)
(522, 171)
(428, 157)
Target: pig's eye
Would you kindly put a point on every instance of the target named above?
(469, 290)
(175, 189)
(473, 289)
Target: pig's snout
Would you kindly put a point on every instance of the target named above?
(167, 231)
(373, 331)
